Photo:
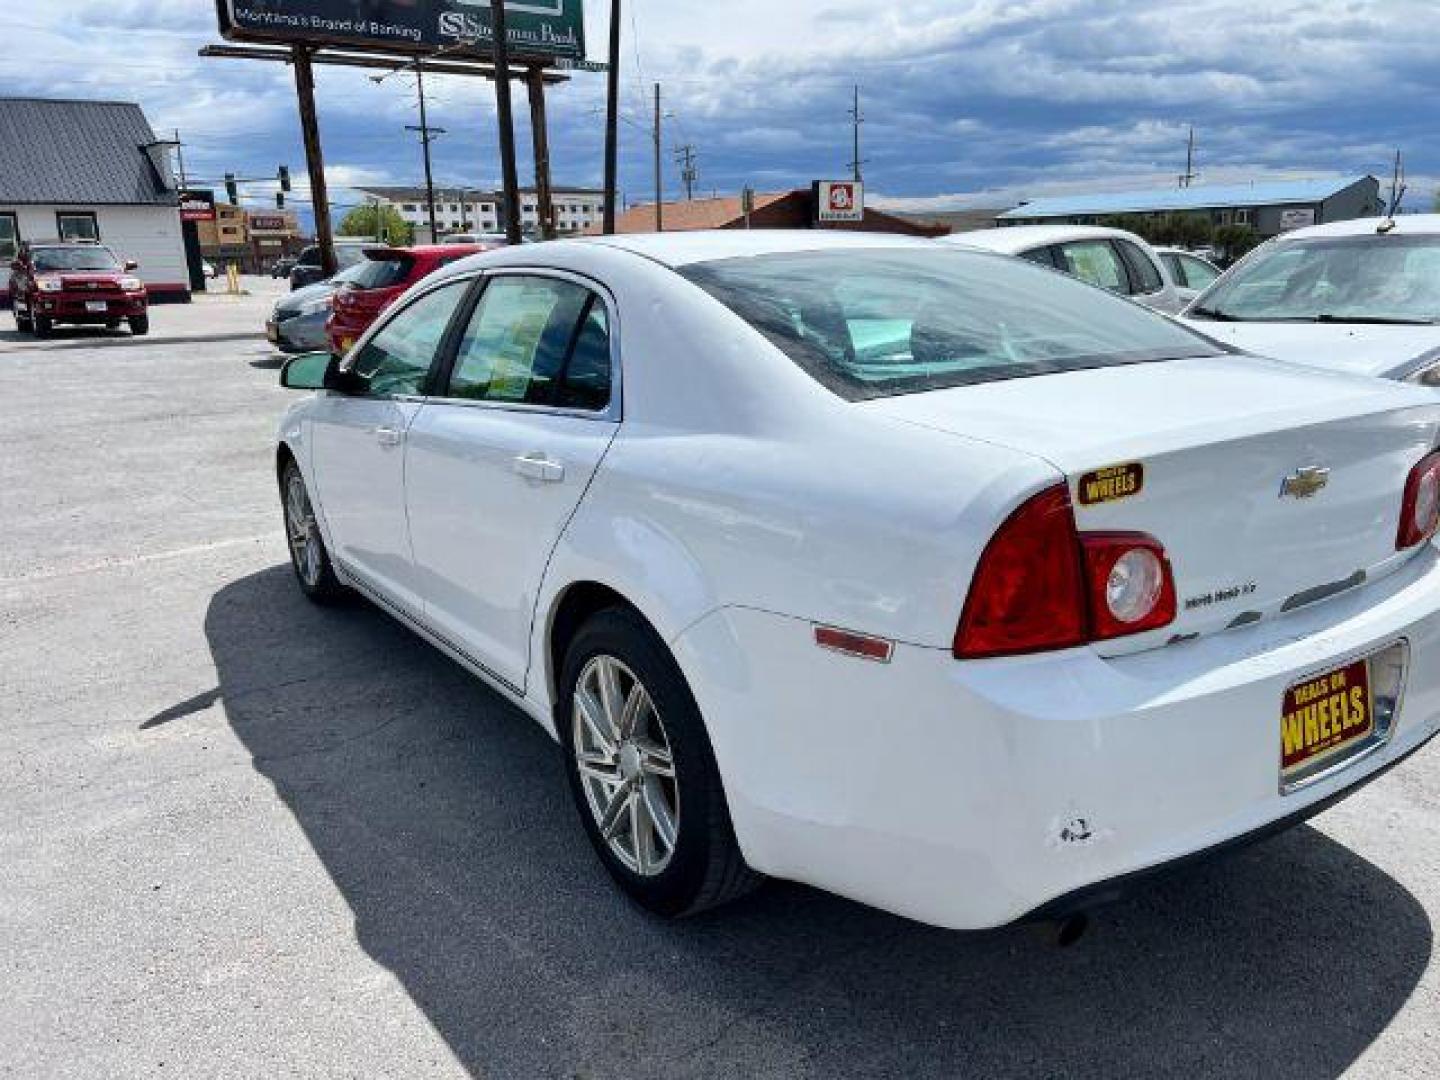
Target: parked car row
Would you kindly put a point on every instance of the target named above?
(927, 575)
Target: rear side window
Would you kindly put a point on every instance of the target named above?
(1096, 262)
(1197, 273)
(875, 323)
(1042, 256)
(381, 273)
(535, 341)
(1143, 271)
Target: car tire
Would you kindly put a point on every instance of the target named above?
(140, 324)
(112, 324)
(43, 326)
(626, 801)
(24, 324)
(308, 555)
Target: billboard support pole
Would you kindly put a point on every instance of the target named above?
(612, 119)
(506, 115)
(544, 197)
(314, 158)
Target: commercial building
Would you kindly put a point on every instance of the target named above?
(472, 210)
(1269, 208)
(773, 210)
(252, 239)
(91, 170)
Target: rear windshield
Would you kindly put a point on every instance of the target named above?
(872, 324)
(379, 273)
(50, 260)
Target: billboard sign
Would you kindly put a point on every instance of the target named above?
(1296, 219)
(269, 223)
(839, 201)
(197, 205)
(545, 30)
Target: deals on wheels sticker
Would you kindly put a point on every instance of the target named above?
(1111, 484)
(1325, 715)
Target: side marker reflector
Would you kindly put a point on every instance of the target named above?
(852, 644)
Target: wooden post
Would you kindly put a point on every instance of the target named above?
(544, 198)
(508, 170)
(314, 158)
(659, 176)
(612, 120)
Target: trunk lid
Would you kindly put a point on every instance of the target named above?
(1270, 486)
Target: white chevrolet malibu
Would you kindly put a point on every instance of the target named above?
(922, 575)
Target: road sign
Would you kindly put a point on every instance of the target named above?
(839, 201)
(544, 30)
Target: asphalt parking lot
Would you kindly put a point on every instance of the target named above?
(241, 836)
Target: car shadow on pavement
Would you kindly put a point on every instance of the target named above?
(442, 815)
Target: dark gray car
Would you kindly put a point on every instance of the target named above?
(297, 323)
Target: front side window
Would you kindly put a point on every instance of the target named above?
(870, 324)
(396, 361)
(1380, 279)
(9, 239)
(535, 341)
(1095, 262)
(77, 226)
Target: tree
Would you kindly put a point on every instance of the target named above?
(378, 222)
(1236, 241)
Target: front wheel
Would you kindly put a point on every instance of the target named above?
(44, 327)
(140, 324)
(643, 773)
(308, 556)
(23, 323)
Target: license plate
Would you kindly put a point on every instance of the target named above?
(1325, 720)
(96, 306)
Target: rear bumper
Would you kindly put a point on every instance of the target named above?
(971, 795)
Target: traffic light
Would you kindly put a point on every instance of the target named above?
(284, 177)
(232, 190)
(279, 200)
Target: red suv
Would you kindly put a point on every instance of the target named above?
(374, 286)
(75, 283)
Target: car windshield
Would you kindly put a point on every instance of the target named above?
(1376, 278)
(876, 323)
(379, 273)
(51, 260)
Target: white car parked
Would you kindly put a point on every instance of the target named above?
(923, 576)
(1113, 259)
(1191, 272)
(1359, 296)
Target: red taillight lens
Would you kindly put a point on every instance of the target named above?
(1131, 587)
(1028, 592)
(1043, 585)
(1420, 509)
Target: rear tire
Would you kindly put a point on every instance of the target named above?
(649, 796)
(43, 326)
(140, 324)
(308, 556)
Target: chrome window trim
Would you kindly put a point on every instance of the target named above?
(614, 411)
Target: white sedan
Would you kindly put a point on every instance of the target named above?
(1111, 259)
(1359, 296)
(924, 576)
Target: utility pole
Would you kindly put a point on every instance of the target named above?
(425, 139)
(180, 161)
(1188, 177)
(659, 176)
(612, 120)
(508, 172)
(685, 158)
(856, 119)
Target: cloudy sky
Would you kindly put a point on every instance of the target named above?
(967, 102)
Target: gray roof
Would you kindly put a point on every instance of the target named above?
(80, 153)
(1274, 193)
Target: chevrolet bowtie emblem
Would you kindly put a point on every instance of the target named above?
(1303, 483)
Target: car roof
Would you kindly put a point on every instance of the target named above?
(1016, 238)
(1404, 224)
(685, 248)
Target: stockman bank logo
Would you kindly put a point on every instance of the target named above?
(531, 27)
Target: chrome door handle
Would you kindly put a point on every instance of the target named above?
(388, 436)
(539, 467)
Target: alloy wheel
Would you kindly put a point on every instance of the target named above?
(627, 768)
(302, 530)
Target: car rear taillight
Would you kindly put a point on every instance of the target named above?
(1042, 585)
(1420, 509)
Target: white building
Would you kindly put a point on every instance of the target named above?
(470, 210)
(91, 170)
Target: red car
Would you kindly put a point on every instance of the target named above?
(55, 282)
(386, 274)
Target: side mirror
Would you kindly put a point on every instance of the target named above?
(131, 264)
(309, 371)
